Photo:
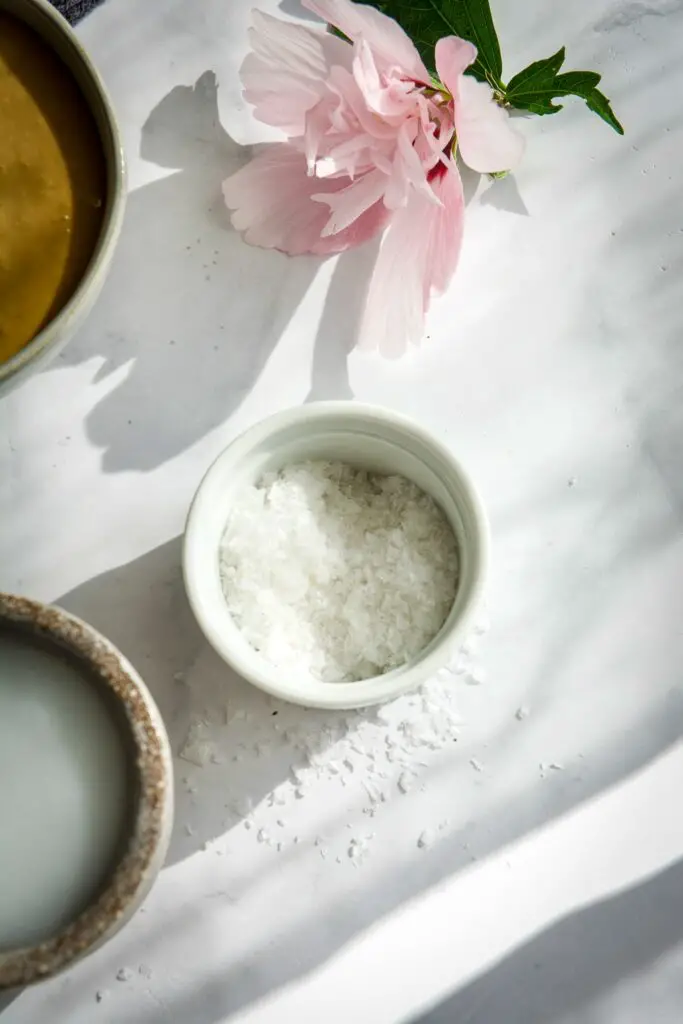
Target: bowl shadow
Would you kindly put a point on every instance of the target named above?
(232, 744)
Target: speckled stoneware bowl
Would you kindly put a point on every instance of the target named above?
(55, 30)
(111, 682)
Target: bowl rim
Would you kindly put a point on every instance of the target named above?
(376, 689)
(152, 820)
(116, 194)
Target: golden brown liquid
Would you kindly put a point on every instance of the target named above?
(52, 185)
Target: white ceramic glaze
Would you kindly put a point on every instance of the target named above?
(362, 435)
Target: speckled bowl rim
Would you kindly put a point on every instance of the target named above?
(151, 830)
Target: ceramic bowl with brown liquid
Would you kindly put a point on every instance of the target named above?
(62, 185)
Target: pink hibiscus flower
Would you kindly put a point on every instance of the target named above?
(371, 144)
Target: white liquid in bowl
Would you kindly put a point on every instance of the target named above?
(65, 790)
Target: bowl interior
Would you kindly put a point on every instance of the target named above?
(97, 692)
(66, 746)
(378, 442)
(42, 18)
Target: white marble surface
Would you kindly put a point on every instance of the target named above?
(554, 368)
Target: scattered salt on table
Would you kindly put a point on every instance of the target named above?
(337, 571)
(426, 838)
(404, 782)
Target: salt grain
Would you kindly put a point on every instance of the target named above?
(405, 781)
(198, 748)
(336, 571)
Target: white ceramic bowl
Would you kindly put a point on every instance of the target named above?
(364, 436)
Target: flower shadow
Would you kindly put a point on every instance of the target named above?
(191, 312)
(504, 194)
(337, 330)
(297, 10)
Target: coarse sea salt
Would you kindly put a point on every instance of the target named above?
(337, 572)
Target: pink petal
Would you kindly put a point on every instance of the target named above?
(352, 153)
(486, 140)
(419, 253)
(394, 101)
(350, 202)
(430, 143)
(317, 122)
(387, 40)
(412, 167)
(453, 55)
(352, 102)
(271, 200)
(285, 75)
(447, 234)
(407, 172)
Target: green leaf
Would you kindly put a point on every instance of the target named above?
(538, 74)
(338, 33)
(536, 87)
(426, 21)
(600, 105)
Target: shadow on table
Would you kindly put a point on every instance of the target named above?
(192, 313)
(305, 948)
(296, 9)
(7, 998)
(142, 607)
(255, 741)
(564, 970)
